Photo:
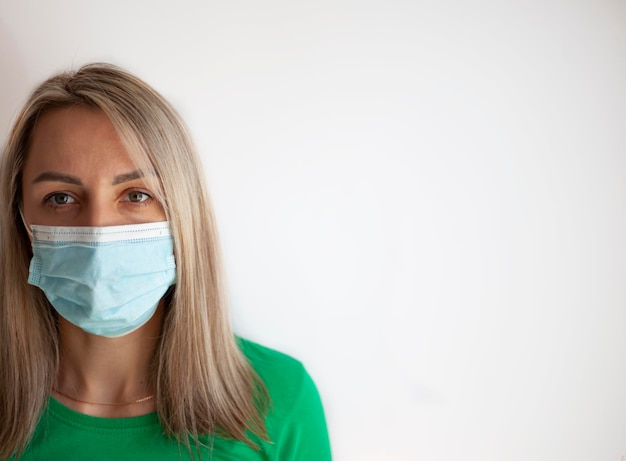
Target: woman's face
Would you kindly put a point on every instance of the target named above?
(78, 173)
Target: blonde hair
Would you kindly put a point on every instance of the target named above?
(203, 383)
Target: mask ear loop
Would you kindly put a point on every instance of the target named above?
(26, 226)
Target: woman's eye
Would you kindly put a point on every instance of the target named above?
(137, 196)
(60, 199)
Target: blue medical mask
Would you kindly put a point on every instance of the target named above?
(106, 280)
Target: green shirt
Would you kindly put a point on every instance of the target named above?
(295, 424)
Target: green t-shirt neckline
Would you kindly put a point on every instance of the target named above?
(73, 417)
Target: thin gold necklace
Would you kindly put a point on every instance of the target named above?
(141, 400)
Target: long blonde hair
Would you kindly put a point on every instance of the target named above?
(202, 382)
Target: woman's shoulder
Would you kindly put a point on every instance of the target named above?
(295, 420)
(284, 376)
(270, 363)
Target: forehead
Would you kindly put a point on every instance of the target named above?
(75, 139)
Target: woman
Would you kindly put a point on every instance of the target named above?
(114, 336)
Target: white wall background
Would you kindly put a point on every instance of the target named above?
(425, 201)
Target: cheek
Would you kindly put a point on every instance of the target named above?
(22, 224)
(25, 211)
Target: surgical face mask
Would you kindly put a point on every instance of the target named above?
(107, 281)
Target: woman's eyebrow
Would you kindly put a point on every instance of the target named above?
(58, 177)
(120, 178)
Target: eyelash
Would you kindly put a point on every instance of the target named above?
(138, 191)
(49, 199)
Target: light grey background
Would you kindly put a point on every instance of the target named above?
(422, 200)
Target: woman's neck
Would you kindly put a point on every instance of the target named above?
(107, 377)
